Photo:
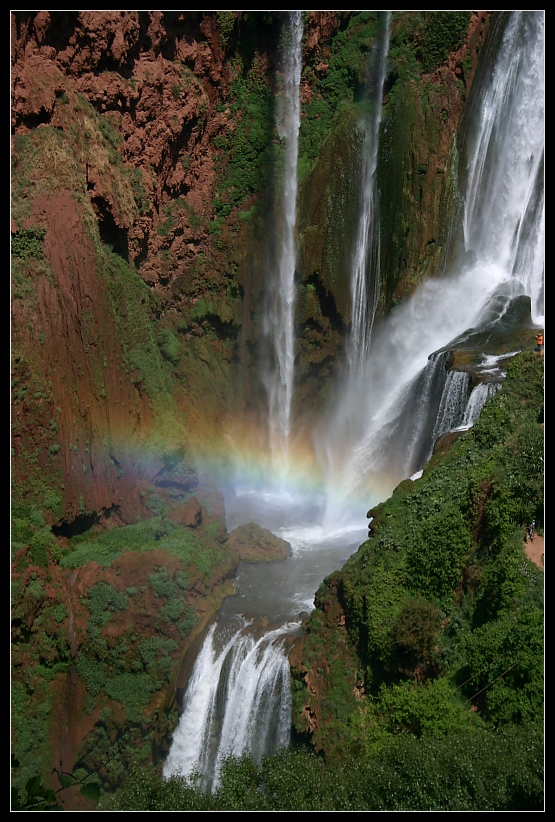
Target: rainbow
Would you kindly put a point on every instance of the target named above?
(238, 458)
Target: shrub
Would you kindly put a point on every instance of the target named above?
(172, 610)
(39, 544)
(103, 600)
(28, 243)
(504, 661)
(133, 691)
(162, 583)
(60, 613)
(415, 629)
(226, 24)
(443, 32)
(437, 553)
(432, 707)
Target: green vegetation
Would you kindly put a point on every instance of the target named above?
(243, 153)
(117, 665)
(159, 533)
(446, 656)
(176, 604)
(26, 268)
(169, 345)
(102, 601)
(464, 771)
(131, 301)
(150, 353)
(335, 89)
(39, 798)
(444, 610)
(28, 243)
(40, 652)
(139, 191)
(442, 33)
(444, 617)
(226, 24)
(427, 649)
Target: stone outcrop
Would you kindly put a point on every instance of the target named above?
(251, 543)
(120, 121)
(137, 292)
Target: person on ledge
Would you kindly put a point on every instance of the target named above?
(539, 341)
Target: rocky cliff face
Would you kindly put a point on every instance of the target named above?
(129, 145)
(113, 118)
(417, 169)
(142, 217)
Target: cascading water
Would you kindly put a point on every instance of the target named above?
(461, 403)
(504, 198)
(279, 314)
(365, 267)
(382, 429)
(453, 403)
(238, 699)
(480, 393)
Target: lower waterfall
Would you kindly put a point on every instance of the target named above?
(238, 696)
(238, 700)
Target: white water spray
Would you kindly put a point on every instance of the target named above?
(370, 444)
(480, 393)
(366, 441)
(365, 267)
(238, 700)
(279, 316)
(454, 401)
(504, 197)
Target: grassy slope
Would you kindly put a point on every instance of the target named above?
(442, 610)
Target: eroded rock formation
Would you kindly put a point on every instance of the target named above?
(141, 221)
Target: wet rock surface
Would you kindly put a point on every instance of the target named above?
(251, 543)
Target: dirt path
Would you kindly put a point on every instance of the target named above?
(534, 550)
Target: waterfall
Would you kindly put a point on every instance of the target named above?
(365, 268)
(480, 393)
(453, 403)
(383, 424)
(504, 198)
(460, 405)
(378, 430)
(279, 314)
(238, 700)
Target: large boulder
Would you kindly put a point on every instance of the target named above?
(188, 513)
(251, 543)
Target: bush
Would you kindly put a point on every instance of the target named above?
(39, 544)
(467, 770)
(504, 661)
(103, 600)
(28, 243)
(169, 345)
(133, 691)
(415, 629)
(60, 613)
(437, 553)
(443, 32)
